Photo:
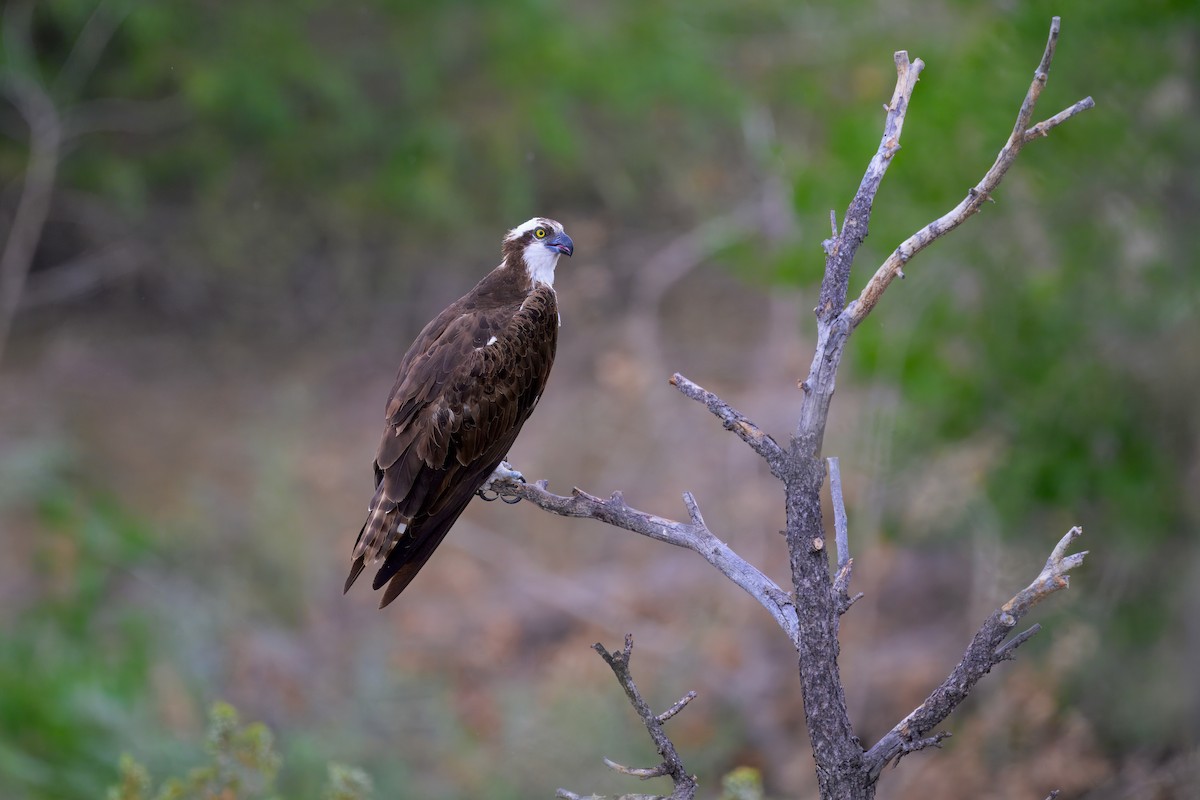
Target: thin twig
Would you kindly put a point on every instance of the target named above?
(641, 773)
(984, 652)
(830, 245)
(564, 794)
(1008, 650)
(735, 421)
(1044, 127)
(45, 138)
(841, 581)
(89, 45)
(854, 222)
(840, 526)
(921, 744)
(679, 706)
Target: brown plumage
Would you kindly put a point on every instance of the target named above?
(464, 389)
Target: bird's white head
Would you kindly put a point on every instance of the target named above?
(537, 244)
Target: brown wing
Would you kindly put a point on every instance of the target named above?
(465, 389)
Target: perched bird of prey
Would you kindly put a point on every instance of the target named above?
(464, 389)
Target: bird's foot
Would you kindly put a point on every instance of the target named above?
(503, 472)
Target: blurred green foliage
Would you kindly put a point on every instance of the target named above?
(242, 765)
(73, 665)
(743, 783)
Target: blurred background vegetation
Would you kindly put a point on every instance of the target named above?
(257, 204)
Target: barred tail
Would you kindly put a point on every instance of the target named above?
(383, 528)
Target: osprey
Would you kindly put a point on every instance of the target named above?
(464, 389)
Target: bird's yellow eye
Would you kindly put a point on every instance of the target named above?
(540, 233)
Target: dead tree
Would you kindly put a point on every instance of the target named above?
(811, 613)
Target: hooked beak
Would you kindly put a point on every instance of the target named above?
(562, 243)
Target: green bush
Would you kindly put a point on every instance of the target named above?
(242, 766)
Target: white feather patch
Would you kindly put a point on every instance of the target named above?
(541, 261)
(526, 226)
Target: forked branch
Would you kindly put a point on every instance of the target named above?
(1022, 133)
(693, 535)
(671, 765)
(986, 650)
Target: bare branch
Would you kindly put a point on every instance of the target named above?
(984, 652)
(1052, 578)
(694, 536)
(45, 139)
(641, 773)
(845, 246)
(1008, 650)
(679, 706)
(672, 765)
(830, 244)
(1044, 127)
(832, 329)
(735, 421)
(840, 526)
(841, 581)
(921, 744)
(568, 795)
(88, 47)
(891, 268)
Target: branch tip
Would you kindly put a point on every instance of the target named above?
(987, 649)
(675, 709)
(1007, 651)
(733, 420)
(693, 509)
(1021, 133)
(641, 773)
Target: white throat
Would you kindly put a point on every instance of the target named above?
(540, 261)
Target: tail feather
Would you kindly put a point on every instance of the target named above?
(355, 570)
(385, 524)
(384, 527)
